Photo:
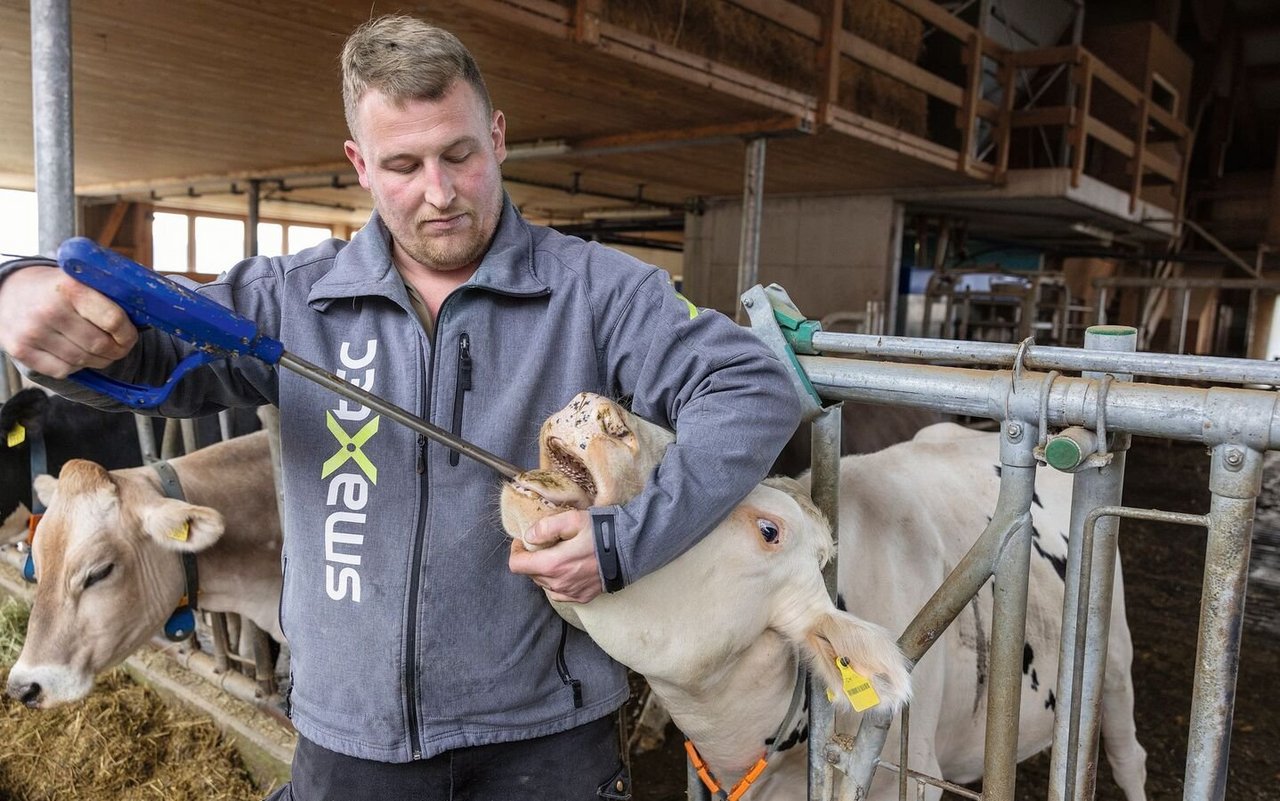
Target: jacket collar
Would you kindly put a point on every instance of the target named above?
(364, 267)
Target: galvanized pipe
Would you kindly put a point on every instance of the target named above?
(1210, 416)
(824, 477)
(1213, 369)
(51, 121)
(824, 488)
(1087, 594)
(1235, 479)
(1009, 614)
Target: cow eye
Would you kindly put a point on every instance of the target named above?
(98, 574)
(768, 530)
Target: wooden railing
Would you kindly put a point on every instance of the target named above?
(1130, 142)
(1143, 146)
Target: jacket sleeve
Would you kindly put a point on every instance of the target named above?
(727, 397)
(251, 289)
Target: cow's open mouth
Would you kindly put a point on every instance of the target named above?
(570, 466)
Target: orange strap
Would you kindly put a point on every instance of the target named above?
(32, 522)
(705, 774)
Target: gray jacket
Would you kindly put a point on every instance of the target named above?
(409, 635)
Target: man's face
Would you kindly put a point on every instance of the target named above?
(432, 167)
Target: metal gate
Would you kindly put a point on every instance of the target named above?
(1088, 417)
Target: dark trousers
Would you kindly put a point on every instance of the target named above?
(581, 764)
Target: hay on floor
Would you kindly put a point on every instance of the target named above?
(121, 743)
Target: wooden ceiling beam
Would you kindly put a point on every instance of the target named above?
(684, 137)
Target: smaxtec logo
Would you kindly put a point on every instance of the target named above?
(351, 473)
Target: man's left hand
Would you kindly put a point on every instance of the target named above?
(559, 554)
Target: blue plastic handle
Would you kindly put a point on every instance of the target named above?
(150, 299)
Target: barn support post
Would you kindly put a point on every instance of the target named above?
(1235, 479)
(1073, 767)
(51, 119)
(752, 212)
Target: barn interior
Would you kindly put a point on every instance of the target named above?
(970, 169)
(985, 170)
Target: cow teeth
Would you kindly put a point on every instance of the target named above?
(571, 467)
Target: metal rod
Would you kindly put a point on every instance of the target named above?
(1087, 594)
(1009, 614)
(1235, 479)
(752, 211)
(1211, 415)
(348, 390)
(51, 118)
(1043, 357)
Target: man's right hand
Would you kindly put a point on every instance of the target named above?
(56, 325)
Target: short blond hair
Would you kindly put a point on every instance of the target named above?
(405, 59)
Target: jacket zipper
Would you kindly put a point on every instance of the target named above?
(415, 567)
(562, 667)
(463, 386)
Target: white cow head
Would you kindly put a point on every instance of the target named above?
(750, 593)
(108, 576)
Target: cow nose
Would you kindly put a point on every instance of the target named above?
(28, 694)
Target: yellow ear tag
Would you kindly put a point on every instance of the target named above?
(857, 687)
(182, 532)
(17, 435)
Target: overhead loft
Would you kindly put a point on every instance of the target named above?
(606, 114)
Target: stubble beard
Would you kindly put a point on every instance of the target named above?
(448, 253)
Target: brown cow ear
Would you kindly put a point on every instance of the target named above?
(46, 487)
(182, 526)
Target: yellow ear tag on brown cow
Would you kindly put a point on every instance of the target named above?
(857, 687)
(17, 435)
(182, 532)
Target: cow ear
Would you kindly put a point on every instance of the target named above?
(843, 649)
(46, 488)
(26, 407)
(182, 526)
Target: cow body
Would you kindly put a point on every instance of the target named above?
(108, 560)
(908, 515)
(703, 629)
(718, 633)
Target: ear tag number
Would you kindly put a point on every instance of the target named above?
(857, 687)
(182, 532)
(17, 435)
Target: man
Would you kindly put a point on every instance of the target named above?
(424, 668)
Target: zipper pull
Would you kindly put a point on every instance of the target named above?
(422, 458)
(464, 362)
(463, 386)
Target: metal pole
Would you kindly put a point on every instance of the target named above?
(1009, 617)
(255, 197)
(752, 211)
(1235, 479)
(1073, 772)
(51, 118)
(824, 487)
(6, 389)
(1214, 369)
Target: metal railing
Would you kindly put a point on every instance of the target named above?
(1237, 424)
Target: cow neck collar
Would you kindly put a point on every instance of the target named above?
(39, 460)
(789, 722)
(182, 623)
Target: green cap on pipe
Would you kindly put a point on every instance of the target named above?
(1063, 453)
